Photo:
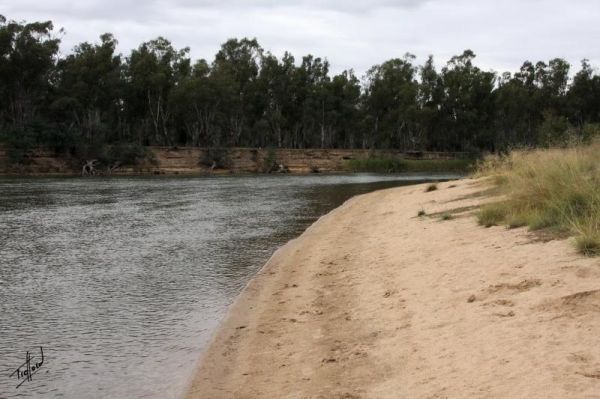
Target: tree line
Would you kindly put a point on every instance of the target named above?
(156, 95)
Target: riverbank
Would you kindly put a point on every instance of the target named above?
(374, 301)
(194, 161)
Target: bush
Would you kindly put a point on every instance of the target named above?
(377, 165)
(431, 187)
(590, 132)
(270, 162)
(218, 156)
(397, 165)
(553, 131)
(122, 154)
(19, 143)
(126, 154)
(446, 216)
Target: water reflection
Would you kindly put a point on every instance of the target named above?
(122, 281)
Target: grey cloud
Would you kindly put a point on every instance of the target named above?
(135, 9)
(334, 5)
(351, 34)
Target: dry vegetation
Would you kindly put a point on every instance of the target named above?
(431, 187)
(557, 190)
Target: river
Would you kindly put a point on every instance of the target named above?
(122, 281)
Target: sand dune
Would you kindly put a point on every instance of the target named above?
(375, 302)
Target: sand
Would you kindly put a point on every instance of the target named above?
(375, 302)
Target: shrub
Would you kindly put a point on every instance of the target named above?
(377, 165)
(219, 156)
(270, 161)
(431, 187)
(397, 165)
(19, 142)
(446, 216)
(126, 154)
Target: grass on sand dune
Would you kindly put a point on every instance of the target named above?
(557, 190)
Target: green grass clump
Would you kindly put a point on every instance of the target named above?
(431, 187)
(439, 165)
(557, 190)
(588, 245)
(376, 165)
(446, 216)
(492, 215)
(516, 221)
(397, 165)
(421, 213)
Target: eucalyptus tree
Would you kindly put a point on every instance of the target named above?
(237, 65)
(28, 53)
(275, 84)
(343, 111)
(512, 122)
(391, 95)
(199, 102)
(468, 104)
(430, 97)
(88, 95)
(94, 96)
(151, 73)
(309, 96)
(584, 96)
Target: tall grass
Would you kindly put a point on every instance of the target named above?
(396, 165)
(555, 189)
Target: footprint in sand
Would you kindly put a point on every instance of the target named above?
(509, 314)
(580, 357)
(523, 286)
(575, 304)
(500, 302)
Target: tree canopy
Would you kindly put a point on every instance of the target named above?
(246, 96)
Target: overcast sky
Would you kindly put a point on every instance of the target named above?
(349, 33)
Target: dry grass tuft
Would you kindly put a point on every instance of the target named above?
(554, 189)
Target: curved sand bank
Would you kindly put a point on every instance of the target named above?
(374, 302)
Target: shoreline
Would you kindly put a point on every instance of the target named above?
(372, 301)
(195, 161)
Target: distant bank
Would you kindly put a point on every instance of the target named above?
(203, 161)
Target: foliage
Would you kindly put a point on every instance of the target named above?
(127, 154)
(247, 97)
(431, 187)
(219, 157)
(376, 164)
(270, 161)
(554, 189)
(446, 216)
(492, 215)
(121, 154)
(439, 165)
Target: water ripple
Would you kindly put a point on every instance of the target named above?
(122, 281)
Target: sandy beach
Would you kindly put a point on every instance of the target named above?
(373, 301)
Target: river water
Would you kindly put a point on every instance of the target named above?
(122, 281)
